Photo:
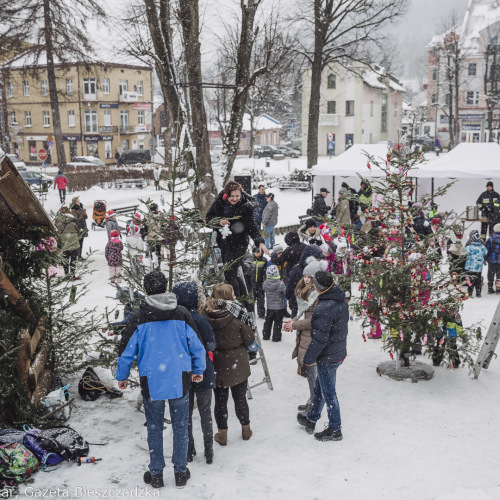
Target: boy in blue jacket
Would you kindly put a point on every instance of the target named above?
(163, 337)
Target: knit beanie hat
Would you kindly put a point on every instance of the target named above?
(489, 183)
(155, 282)
(310, 223)
(436, 221)
(110, 213)
(114, 233)
(313, 266)
(322, 280)
(475, 236)
(277, 248)
(496, 228)
(272, 272)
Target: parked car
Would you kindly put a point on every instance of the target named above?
(290, 152)
(265, 151)
(217, 151)
(35, 180)
(135, 156)
(19, 164)
(86, 161)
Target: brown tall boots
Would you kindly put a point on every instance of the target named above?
(221, 437)
(246, 432)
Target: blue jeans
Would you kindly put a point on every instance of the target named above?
(324, 392)
(179, 414)
(269, 239)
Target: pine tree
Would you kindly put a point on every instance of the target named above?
(404, 285)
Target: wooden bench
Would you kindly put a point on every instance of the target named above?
(130, 210)
(130, 183)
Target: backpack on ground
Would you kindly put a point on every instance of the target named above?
(91, 387)
(63, 441)
(8, 436)
(33, 442)
(17, 463)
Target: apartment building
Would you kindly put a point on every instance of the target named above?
(104, 108)
(470, 39)
(362, 106)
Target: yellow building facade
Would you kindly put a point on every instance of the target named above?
(104, 108)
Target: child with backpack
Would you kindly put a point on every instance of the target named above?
(112, 224)
(274, 289)
(476, 252)
(113, 254)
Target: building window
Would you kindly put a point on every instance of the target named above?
(90, 120)
(10, 90)
(108, 150)
(12, 115)
(107, 118)
(371, 108)
(349, 108)
(139, 88)
(45, 88)
(123, 86)
(46, 118)
(123, 119)
(435, 74)
(433, 99)
(331, 81)
(331, 107)
(447, 99)
(473, 98)
(69, 86)
(140, 117)
(383, 117)
(472, 69)
(26, 88)
(105, 85)
(89, 87)
(71, 117)
(27, 118)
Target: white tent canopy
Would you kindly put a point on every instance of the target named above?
(466, 161)
(353, 162)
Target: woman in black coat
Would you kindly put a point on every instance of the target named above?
(233, 208)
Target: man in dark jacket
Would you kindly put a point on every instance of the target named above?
(291, 254)
(262, 202)
(319, 206)
(493, 258)
(297, 272)
(163, 337)
(188, 295)
(485, 202)
(232, 209)
(327, 349)
(258, 277)
(80, 215)
(353, 199)
(421, 224)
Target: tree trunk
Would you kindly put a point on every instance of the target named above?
(204, 192)
(242, 83)
(450, 103)
(315, 96)
(51, 75)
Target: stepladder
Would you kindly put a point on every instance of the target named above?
(261, 357)
(489, 345)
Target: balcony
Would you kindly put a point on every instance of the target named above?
(327, 119)
(108, 129)
(127, 130)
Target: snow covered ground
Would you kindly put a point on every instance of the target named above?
(432, 440)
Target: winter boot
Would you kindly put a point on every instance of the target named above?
(181, 478)
(209, 453)
(246, 432)
(302, 420)
(306, 408)
(155, 480)
(490, 290)
(221, 437)
(329, 435)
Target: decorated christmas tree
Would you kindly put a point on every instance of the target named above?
(407, 295)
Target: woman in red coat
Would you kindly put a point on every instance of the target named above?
(61, 182)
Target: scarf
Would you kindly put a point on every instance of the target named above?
(239, 312)
(303, 305)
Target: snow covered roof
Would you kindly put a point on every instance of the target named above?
(262, 122)
(376, 79)
(467, 160)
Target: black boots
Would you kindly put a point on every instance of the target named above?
(302, 420)
(156, 481)
(329, 435)
(181, 478)
(305, 408)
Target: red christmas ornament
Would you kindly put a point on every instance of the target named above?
(390, 354)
